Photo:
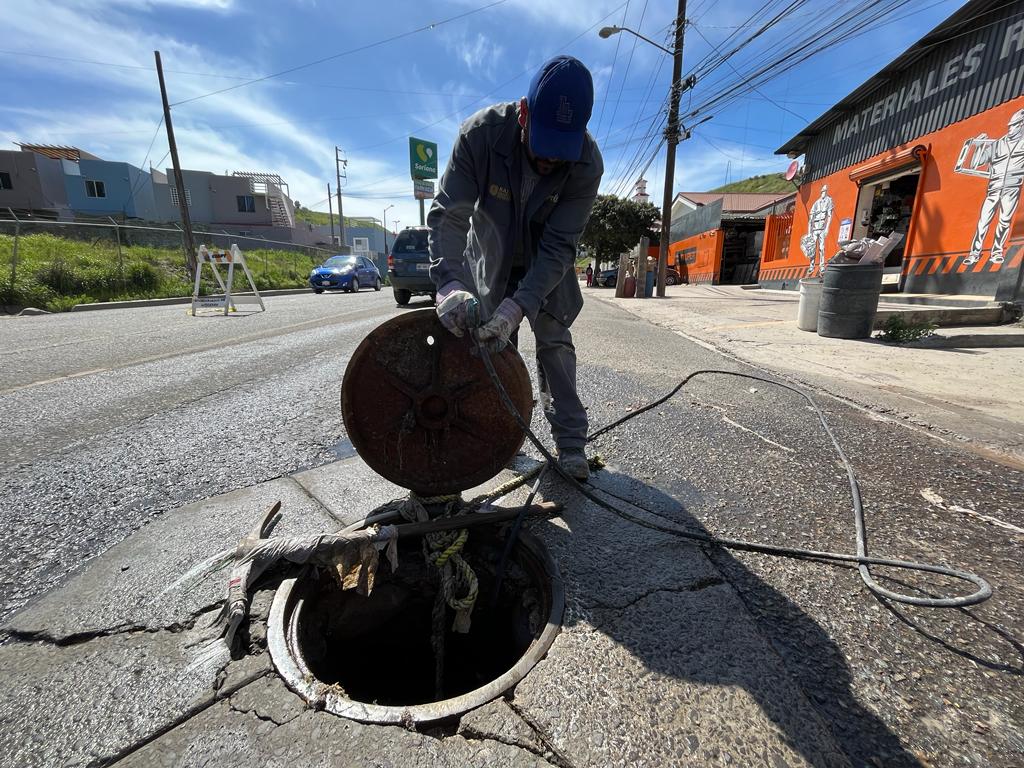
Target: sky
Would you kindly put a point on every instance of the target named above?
(81, 73)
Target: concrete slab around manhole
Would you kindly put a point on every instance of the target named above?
(84, 703)
(677, 678)
(659, 662)
(129, 585)
(262, 727)
(348, 489)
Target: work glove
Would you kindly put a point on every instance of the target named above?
(456, 308)
(497, 331)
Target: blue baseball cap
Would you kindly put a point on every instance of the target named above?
(560, 100)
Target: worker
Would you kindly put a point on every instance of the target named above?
(590, 275)
(509, 212)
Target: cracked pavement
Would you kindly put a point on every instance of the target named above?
(670, 653)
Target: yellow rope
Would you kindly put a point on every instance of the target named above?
(453, 548)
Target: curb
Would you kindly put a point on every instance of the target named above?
(135, 303)
(972, 340)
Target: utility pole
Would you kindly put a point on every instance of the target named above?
(672, 137)
(179, 182)
(384, 226)
(330, 212)
(338, 162)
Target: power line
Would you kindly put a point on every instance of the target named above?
(737, 72)
(611, 74)
(625, 75)
(497, 88)
(220, 76)
(349, 52)
(647, 97)
(135, 185)
(851, 23)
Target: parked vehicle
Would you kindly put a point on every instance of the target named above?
(408, 265)
(609, 277)
(345, 273)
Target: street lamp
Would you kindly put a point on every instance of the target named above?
(671, 131)
(607, 32)
(384, 226)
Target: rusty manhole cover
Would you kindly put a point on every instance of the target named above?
(421, 410)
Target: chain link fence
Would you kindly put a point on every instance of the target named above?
(56, 264)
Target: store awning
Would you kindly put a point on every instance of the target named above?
(890, 164)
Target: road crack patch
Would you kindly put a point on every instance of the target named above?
(553, 754)
(86, 636)
(696, 586)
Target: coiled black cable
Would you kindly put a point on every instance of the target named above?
(862, 559)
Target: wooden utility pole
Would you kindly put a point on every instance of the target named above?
(341, 215)
(672, 138)
(179, 181)
(641, 269)
(620, 280)
(330, 212)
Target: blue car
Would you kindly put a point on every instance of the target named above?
(345, 273)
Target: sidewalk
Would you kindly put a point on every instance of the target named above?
(965, 385)
(653, 667)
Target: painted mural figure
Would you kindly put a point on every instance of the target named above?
(819, 221)
(1001, 161)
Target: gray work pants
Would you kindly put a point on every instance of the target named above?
(556, 363)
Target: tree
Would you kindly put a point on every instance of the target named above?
(616, 225)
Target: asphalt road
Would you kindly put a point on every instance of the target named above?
(110, 418)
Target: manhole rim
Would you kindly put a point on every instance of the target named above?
(300, 681)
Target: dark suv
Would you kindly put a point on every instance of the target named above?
(408, 265)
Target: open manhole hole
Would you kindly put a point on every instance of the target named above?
(371, 658)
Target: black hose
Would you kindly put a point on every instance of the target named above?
(513, 535)
(982, 593)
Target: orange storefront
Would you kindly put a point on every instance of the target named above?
(930, 151)
(699, 257)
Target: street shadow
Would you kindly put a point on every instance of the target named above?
(876, 342)
(717, 612)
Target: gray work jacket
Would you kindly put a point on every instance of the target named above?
(473, 219)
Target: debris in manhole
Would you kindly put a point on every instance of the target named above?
(372, 658)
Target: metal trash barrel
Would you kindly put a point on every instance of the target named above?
(810, 300)
(849, 300)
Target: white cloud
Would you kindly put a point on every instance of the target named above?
(279, 144)
(202, 5)
(574, 14)
(478, 53)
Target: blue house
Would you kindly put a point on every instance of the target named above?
(104, 188)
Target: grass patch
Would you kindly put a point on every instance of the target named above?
(56, 273)
(899, 330)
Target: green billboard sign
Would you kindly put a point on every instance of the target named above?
(422, 159)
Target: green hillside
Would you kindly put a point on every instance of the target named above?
(768, 183)
(319, 217)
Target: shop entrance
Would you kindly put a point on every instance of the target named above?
(884, 206)
(741, 252)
